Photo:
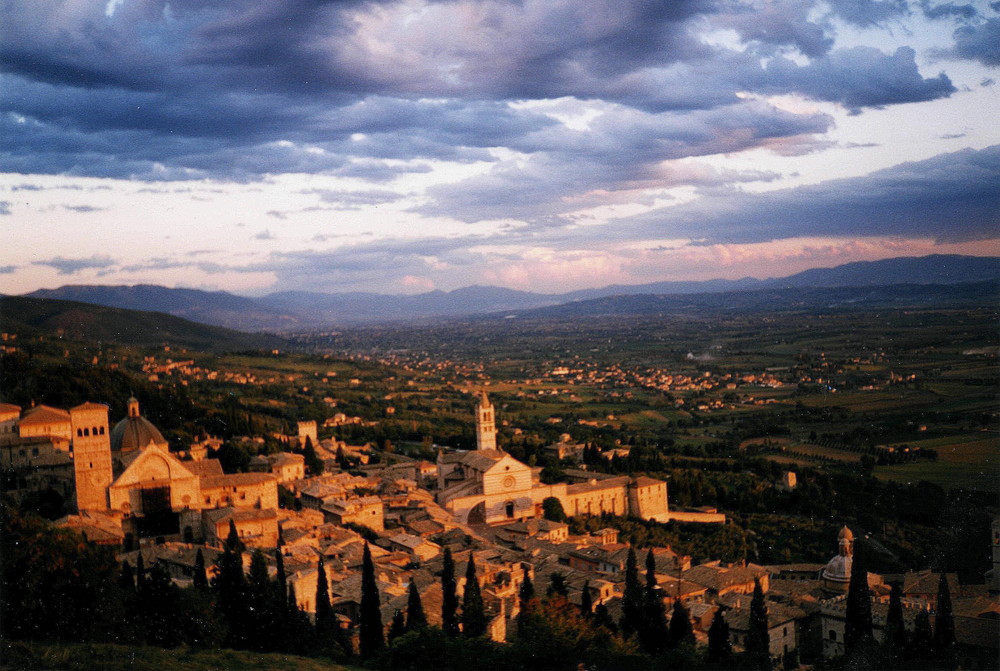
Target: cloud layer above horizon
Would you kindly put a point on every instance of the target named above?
(412, 144)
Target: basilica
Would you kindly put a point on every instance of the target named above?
(488, 486)
(128, 475)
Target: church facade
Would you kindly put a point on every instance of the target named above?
(128, 473)
(488, 486)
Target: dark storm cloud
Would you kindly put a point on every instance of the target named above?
(66, 266)
(7, 270)
(980, 43)
(858, 77)
(948, 10)
(952, 197)
(203, 89)
(4, 207)
(867, 13)
(622, 150)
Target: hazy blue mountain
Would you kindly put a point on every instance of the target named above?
(208, 307)
(969, 294)
(302, 310)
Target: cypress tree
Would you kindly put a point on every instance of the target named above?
(944, 620)
(314, 465)
(680, 631)
(372, 637)
(586, 601)
(895, 633)
(415, 616)
(200, 574)
(654, 634)
(398, 626)
(279, 560)
(473, 610)
(126, 579)
(322, 598)
(557, 585)
(602, 618)
(632, 598)
(230, 584)
(923, 637)
(140, 573)
(758, 642)
(720, 648)
(858, 616)
(449, 596)
(233, 541)
(526, 601)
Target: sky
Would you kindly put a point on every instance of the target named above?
(543, 145)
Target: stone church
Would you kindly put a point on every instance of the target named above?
(129, 474)
(488, 486)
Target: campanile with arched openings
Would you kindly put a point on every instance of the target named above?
(91, 455)
(486, 424)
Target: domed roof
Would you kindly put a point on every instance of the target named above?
(838, 569)
(846, 534)
(135, 431)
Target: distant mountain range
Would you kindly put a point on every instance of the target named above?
(85, 321)
(300, 310)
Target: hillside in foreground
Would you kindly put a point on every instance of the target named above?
(84, 321)
(23, 655)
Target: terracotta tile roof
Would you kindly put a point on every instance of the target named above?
(236, 480)
(90, 406)
(44, 414)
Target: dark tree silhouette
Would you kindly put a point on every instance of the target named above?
(944, 620)
(895, 633)
(720, 648)
(415, 616)
(322, 599)
(372, 637)
(632, 620)
(200, 574)
(858, 616)
(449, 596)
(398, 626)
(586, 601)
(653, 633)
(681, 631)
(126, 580)
(473, 610)
(314, 465)
(758, 642)
(281, 578)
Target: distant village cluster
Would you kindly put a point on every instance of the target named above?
(131, 490)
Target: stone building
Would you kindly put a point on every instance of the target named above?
(488, 486)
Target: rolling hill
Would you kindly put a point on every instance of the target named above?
(84, 321)
(304, 310)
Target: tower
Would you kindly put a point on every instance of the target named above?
(486, 427)
(91, 455)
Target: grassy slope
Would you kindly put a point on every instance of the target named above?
(31, 316)
(25, 656)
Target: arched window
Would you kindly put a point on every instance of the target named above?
(102, 430)
(86, 432)
(509, 509)
(79, 433)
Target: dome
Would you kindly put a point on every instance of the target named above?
(846, 534)
(838, 569)
(135, 432)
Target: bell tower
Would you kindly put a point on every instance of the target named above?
(486, 427)
(91, 455)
